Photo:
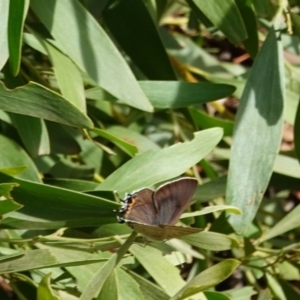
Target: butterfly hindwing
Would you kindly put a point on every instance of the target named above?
(172, 198)
(162, 232)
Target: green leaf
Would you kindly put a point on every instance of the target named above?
(288, 222)
(172, 94)
(68, 77)
(204, 121)
(72, 184)
(46, 258)
(210, 209)
(152, 167)
(6, 188)
(267, 9)
(297, 132)
(211, 190)
(13, 171)
(141, 142)
(286, 165)
(37, 101)
(208, 278)
(109, 291)
(250, 21)
(129, 21)
(257, 134)
(244, 293)
(44, 291)
(64, 208)
(122, 144)
(7, 205)
(264, 295)
(211, 241)
(275, 287)
(225, 15)
(17, 14)
(153, 261)
(81, 38)
(105, 272)
(210, 295)
(13, 155)
(127, 287)
(4, 14)
(33, 133)
(150, 290)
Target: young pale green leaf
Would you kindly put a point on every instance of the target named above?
(81, 38)
(44, 291)
(243, 293)
(152, 167)
(13, 155)
(13, 171)
(46, 258)
(154, 262)
(288, 222)
(68, 77)
(210, 209)
(257, 133)
(286, 165)
(275, 287)
(37, 101)
(17, 14)
(225, 15)
(141, 142)
(208, 278)
(127, 147)
(4, 13)
(211, 241)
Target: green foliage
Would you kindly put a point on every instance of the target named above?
(98, 96)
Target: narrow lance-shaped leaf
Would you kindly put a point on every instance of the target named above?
(257, 133)
(152, 167)
(17, 13)
(208, 278)
(80, 37)
(225, 15)
(4, 13)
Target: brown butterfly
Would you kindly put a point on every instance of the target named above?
(154, 213)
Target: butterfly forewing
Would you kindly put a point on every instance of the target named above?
(140, 207)
(172, 198)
